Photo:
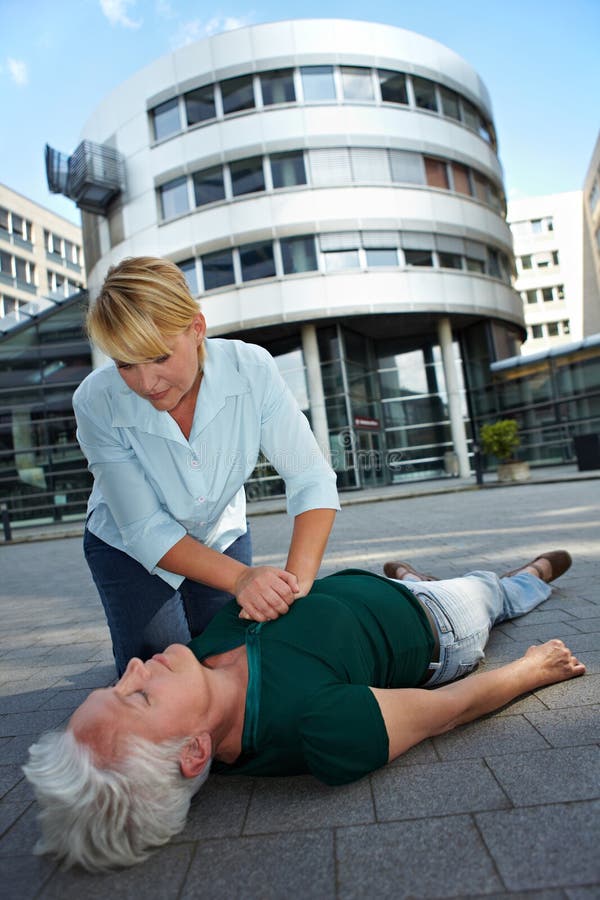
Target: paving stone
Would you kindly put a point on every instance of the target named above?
(269, 867)
(505, 734)
(287, 804)
(441, 857)
(549, 776)
(577, 692)
(9, 776)
(22, 877)
(218, 809)
(421, 791)
(568, 727)
(544, 846)
(31, 723)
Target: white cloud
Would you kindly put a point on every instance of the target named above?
(196, 29)
(116, 12)
(17, 70)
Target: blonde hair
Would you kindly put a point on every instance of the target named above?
(143, 302)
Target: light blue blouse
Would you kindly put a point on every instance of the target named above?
(152, 486)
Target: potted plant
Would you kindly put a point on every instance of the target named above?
(501, 439)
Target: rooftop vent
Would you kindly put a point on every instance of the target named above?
(93, 176)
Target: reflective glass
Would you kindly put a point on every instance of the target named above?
(188, 267)
(317, 83)
(208, 186)
(357, 83)
(165, 119)
(237, 94)
(200, 105)
(278, 87)
(418, 257)
(450, 103)
(247, 176)
(287, 169)
(257, 261)
(298, 254)
(341, 259)
(174, 198)
(424, 93)
(393, 87)
(383, 257)
(217, 269)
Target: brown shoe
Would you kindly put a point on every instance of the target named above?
(390, 569)
(559, 560)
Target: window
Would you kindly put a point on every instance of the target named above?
(594, 195)
(526, 262)
(393, 87)
(54, 244)
(287, 169)
(560, 291)
(298, 254)
(481, 187)
(237, 94)
(537, 331)
(247, 176)
(5, 263)
(209, 186)
(357, 83)
(257, 261)
(475, 265)
(450, 103)
(407, 168)
(470, 115)
(200, 105)
(531, 296)
(174, 198)
(555, 258)
(547, 295)
(188, 267)
(536, 226)
(435, 173)
(278, 87)
(217, 269)
(552, 329)
(370, 166)
(418, 257)
(424, 93)
(336, 260)
(317, 83)
(460, 175)
(382, 256)
(330, 167)
(493, 266)
(566, 326)
(3, 220)
(166, 119)
(21, 269)
(450, 260)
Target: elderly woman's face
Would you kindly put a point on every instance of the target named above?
(163, 698)
(166, 381)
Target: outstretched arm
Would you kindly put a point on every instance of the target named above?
(413, 714)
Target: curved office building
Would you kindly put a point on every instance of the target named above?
(332, 190)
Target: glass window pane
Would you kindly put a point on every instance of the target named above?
(493, 267)
(560, 291)
(174, 198)
(418, 257)
(475, 265)
(166, 119)
(257, 261)
(357, 83)
(450, 103)
(247, 176)
(278, 87)
(188, 267)
(287, 169)
(208, 186)
(424, 93)
(341, 259)
(407, 167)
(317, 83)
(3, 219)
(5, 263)
(470, 115)
(461, 179)
(481, 187)
(531, 296)
(200, 104)
(450, 260)
(547, 295)
(217, 269)
(298, 254)
(526, 262)
(435, 173)
(237, 93)
(552, 329)
(382, 257)
(393, 86)
(536, 331)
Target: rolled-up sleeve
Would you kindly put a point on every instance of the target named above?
(290, 446)
(147, 529)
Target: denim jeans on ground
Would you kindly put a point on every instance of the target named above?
(465, 610)
(143, 612)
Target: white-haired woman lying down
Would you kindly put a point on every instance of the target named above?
(337, 687)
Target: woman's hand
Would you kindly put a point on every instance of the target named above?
(265, 593)
(553, 662)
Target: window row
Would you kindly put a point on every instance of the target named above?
(13, 267)
(15, 225)
(533, 226)
(544, 295)
(595, 195)
(62, 249)
(543, 260)
(10, 306)
(58, 284)
(323, 168)
(339, 251)
(315, 84)
(549, 329)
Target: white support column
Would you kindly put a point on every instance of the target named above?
(457, 425)
(316, 395)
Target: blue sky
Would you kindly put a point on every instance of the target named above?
(538, 58)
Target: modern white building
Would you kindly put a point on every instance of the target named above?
(555, 270)
(591, 206)
(332, 190)
(41, 258)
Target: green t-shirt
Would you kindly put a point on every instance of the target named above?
(309, 707)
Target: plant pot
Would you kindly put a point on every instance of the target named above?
(514, 471)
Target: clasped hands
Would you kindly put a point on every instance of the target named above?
(265, 592)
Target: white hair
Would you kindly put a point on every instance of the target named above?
(105, 817)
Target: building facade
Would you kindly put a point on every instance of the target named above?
(591, 207)
(41, 258)
(332, 190)
(555, 270)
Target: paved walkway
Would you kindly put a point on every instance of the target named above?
(506, 807)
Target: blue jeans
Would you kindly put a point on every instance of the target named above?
(465, 610)
(144, 613)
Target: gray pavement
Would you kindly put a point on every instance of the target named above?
(505, 807)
